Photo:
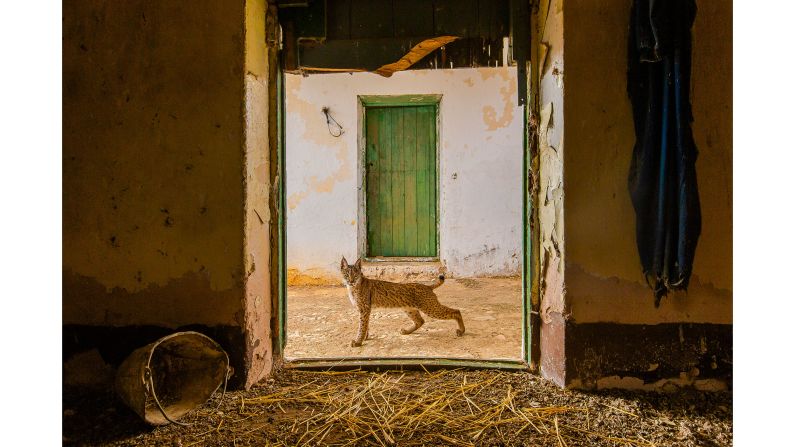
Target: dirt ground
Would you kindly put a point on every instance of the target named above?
(321, 322)
(412, 408)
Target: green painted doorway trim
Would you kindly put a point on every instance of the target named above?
(530, 266)
(399, 100)
(374, 103)
(401, 189)
(399, 363)
(281, 307)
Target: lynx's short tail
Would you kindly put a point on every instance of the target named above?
(441, 281)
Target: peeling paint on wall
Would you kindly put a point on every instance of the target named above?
(257, 305)
(312, 277)
(479, 168)
(659, 356)
(551, 220)
(668, 385)
(552, 286)
(310, 115)
(508, 93)
(550, 136)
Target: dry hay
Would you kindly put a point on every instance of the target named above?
(384, 408)
(445, 407)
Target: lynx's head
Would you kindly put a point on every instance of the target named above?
(351, 273)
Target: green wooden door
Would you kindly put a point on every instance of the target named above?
(401, 181)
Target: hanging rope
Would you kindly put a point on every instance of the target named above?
(329, 121)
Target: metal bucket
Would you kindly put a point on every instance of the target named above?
(164, 380)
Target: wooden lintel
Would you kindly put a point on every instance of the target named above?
(361, 54)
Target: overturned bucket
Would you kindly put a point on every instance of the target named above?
(164, 380)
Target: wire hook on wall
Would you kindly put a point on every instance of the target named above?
(329, 121)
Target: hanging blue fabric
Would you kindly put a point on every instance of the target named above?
(662, 177)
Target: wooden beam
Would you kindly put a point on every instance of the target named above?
(338, 19)
(520, 40)
(354, 54)
(292, 3)
(413, 18)
(372, 19)
(309, 22)
(456, 17)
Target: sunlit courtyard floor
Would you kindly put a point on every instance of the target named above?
(321, 322)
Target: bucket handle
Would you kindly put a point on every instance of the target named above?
(150, 387)
(229, 372)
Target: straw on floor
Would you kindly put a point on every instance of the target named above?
(412, 408)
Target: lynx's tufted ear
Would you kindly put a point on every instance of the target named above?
(343, 263)
(358, 264)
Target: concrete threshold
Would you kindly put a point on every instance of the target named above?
(402, 269)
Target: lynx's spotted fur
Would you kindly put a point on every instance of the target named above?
(365, 294)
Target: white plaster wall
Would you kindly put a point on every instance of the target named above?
(480, 168)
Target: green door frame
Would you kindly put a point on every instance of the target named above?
(530, 264)
(281, 317)
(365, 102)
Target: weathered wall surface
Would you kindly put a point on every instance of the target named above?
(605, 290)
(551, 189)
(152, 162)
(260, 220)
(604, 281)
(480, 168)
(155, 150)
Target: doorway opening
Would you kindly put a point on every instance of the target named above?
(416, 176)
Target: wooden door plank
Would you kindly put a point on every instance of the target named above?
(398, 184)
(372, 179)
(423, 177)
(386, 155)
(409, 145)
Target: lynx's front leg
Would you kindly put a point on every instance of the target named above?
(364, 322)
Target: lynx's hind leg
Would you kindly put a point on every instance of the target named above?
(442, 312)
(415, 316)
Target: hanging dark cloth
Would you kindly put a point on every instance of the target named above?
(662, 176)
